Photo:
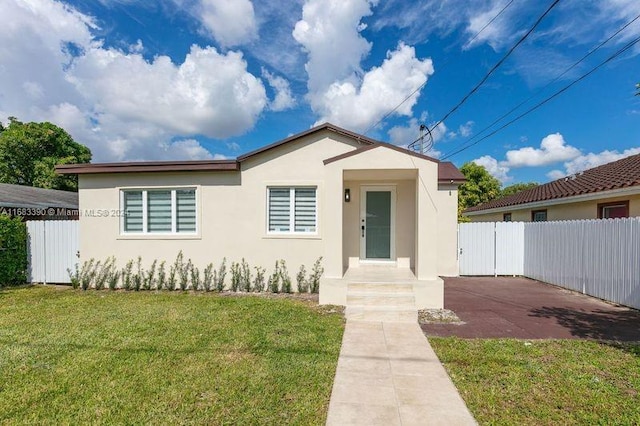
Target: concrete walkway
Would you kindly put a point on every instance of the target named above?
(388, 374)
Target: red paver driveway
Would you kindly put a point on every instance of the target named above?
(527, 309)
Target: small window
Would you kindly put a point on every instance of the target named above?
(539, 216)
(166, 211)
(292, 210)
(506, 217)
(615, 210)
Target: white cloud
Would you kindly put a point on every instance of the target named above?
(553, 149)
(498, 34)
(209, 93)
(117, 103)
(230, 22)
(329, 32)
(495, 168)
(359, 105)
(465, 130)
(188, 149)
(283, 99)
(339, 90)
(556, 174)
(591, 160)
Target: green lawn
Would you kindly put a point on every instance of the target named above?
(75, 357)
(544, 382)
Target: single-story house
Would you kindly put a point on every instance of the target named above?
(604, 192)
(324, 192)
(32, 203)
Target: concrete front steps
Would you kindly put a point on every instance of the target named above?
(383, 302)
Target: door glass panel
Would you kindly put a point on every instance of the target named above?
(378, 225)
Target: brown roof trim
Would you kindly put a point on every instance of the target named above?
(449, 173)
(149, 166)
(326, 126)
(378, 145)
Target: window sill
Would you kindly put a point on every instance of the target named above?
(159, 237)
(292, 237)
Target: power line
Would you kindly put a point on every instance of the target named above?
(559, 92)
(515, 108)
(493, 69)
(384, 117)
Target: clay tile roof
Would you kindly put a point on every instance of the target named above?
(616, 175)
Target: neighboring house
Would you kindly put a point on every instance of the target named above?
(608, 191)
(33, 203)
(323, 192)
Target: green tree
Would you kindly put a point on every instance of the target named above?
(517, 187)
(29, 153)
(480, 187)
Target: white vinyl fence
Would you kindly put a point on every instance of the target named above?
(491, 248)
(53, 246)
(596, 257)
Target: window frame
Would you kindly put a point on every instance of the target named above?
(602, 206)
(292, 230)
(533, 215)
(145, 212)
(505, 216)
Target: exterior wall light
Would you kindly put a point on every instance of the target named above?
(347, 195)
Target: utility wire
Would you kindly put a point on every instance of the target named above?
(575, 64)
(442, 66)
(559, 92)
(493, 69)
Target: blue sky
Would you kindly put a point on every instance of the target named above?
(196, 79)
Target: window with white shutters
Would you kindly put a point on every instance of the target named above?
(292, 210)
(166, 211)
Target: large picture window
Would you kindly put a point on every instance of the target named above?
(292, 210)
(159, 211)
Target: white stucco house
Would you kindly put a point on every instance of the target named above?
(324, 192)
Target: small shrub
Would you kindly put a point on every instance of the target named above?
(127, 272)
(150, 276)
(301, 279)
(245, 276)
(162, 276)
(88, 273)
(103, 276)
(74, 276)
(138, 277)
(183, 275)
(258, 281)
(316, 273)
(220, 275)
(235, 276)
(170, 284)
(285, 279)
(196, 284)
(13, 250)
(114, 277)
(208, 278)
(274, 280)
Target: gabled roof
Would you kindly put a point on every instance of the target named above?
(446, 171)
(19, 196)
(326, 126)
(619, 174)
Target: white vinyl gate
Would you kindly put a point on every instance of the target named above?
(53, 247)
(491, 248)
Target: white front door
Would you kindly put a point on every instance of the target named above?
(377, 222)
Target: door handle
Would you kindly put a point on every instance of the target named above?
(362, 231)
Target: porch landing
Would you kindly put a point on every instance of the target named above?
(373, 292)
